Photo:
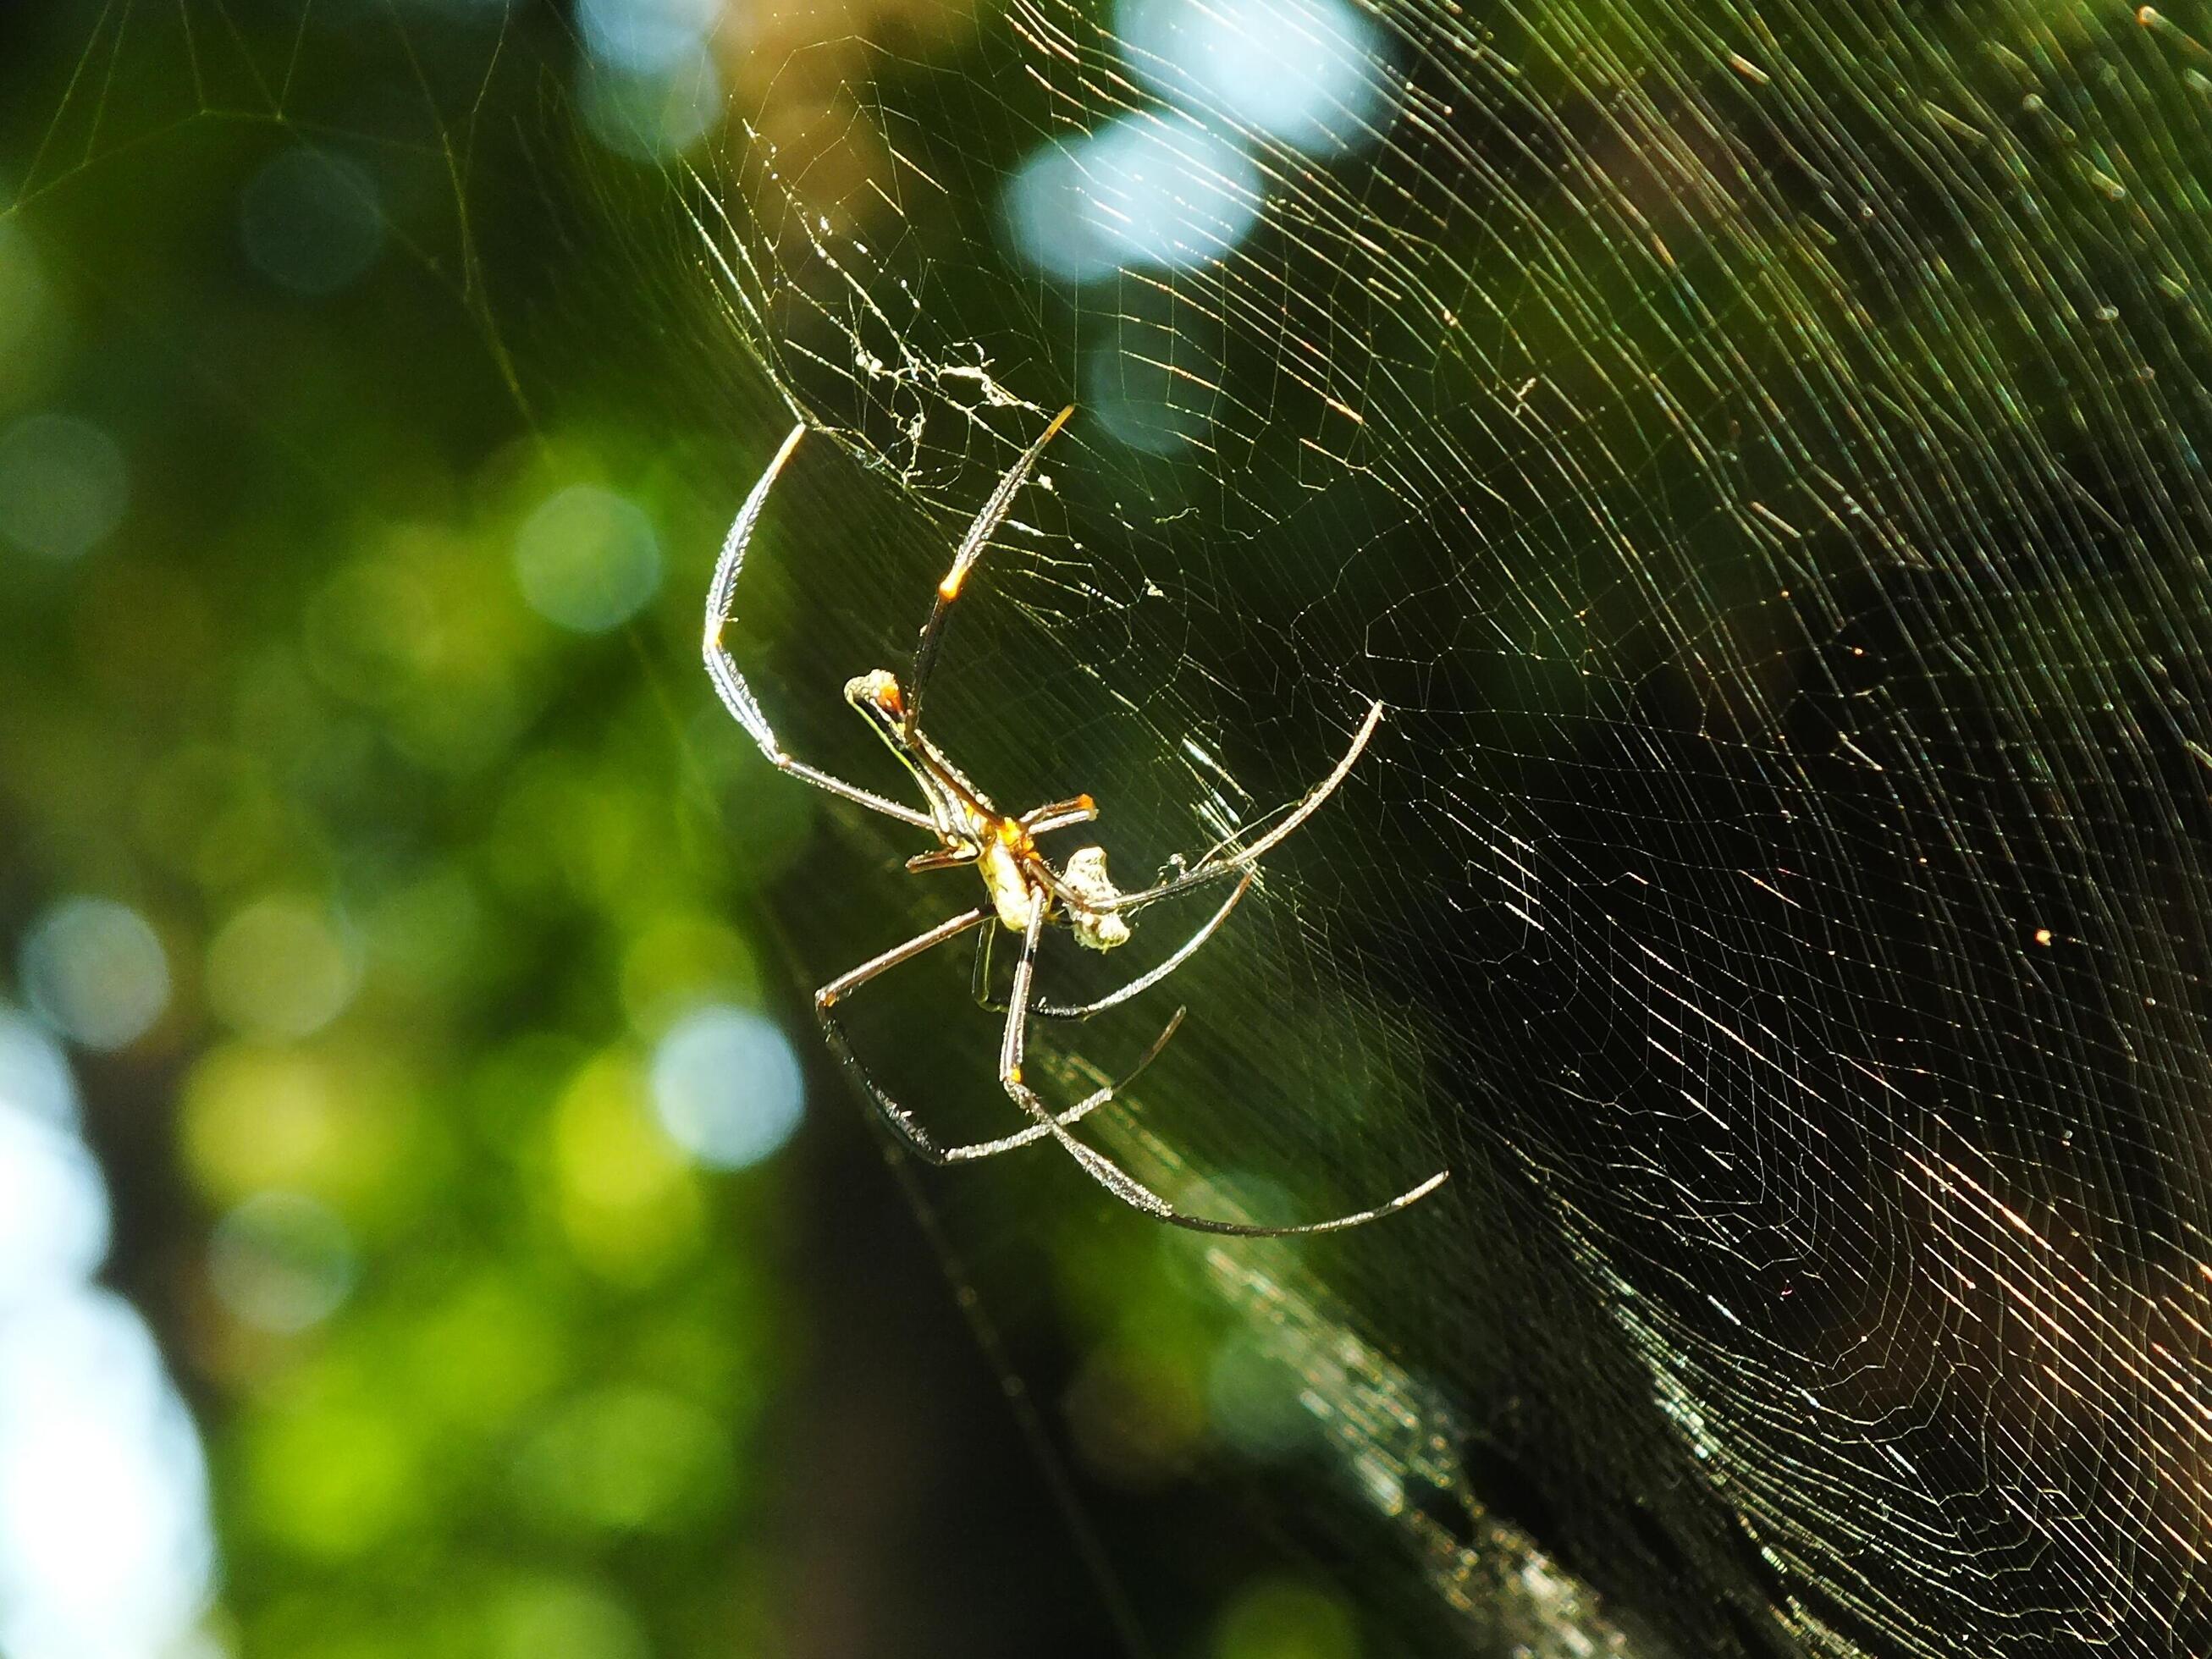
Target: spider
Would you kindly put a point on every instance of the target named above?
(1025, 891)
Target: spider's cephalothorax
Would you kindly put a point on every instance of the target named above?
(1079, 896)
(1026, 891)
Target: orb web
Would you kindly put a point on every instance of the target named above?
(1750, 450)
(1755, 452)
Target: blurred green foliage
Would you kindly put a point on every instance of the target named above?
(361, 666)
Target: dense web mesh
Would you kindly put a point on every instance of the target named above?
(1750, 449)
(1754, 452)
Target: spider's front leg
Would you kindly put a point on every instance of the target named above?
(730, 684)
(1217, 863)
(986, 525)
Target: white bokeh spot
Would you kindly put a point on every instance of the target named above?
(1302, 71)
(94, 970)
(726, 1086)
(1147, 191)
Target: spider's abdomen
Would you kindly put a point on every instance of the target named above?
(1008, 885)
(1086, 877)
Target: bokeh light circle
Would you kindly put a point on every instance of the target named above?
(282, 1261)
(278, 970)
(1299, 71)
(1145, 191)
(587, 559)
(94, 970)
(557, 1618)
(654, 116)
(64, 485)
(646, 37)
(311, 223)
(726, 1086)
(1279, 1617)
(627, 1458)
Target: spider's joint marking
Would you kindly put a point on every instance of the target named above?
(877, 686)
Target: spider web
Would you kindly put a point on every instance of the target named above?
(1753, 453)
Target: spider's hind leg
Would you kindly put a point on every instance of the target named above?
(1075, 1114)
(1103, 1170)
(1114, 998)
(903, 1123)
(833, 1032)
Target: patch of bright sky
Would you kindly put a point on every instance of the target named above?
(34, 1079)
(105, 1544)
(726, 1087)
(53, 1208)
(106, 1549)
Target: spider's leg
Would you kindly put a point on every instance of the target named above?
(1103, 1170)
(1135, 986)
(1060, 815)
(979, 983)
(1214, 867)
(986, 525)
(917, 1138)
(1074, 1114)
(844, 985)
(943, 858)
(730, 681)
(1145, 981)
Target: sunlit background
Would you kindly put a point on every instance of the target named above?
(426, 1222)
